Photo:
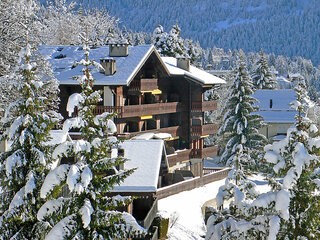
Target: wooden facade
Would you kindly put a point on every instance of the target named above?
(155, 101)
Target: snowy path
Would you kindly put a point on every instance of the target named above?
(186, 206)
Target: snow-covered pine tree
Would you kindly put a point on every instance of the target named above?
(159, 39)
(171, 45)
(24, 166)
(262, 76)
(14, 16)
(241, 124)
(88, 213)
(290, 210)
(296, 160)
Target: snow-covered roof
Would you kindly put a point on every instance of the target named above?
(278, 116)
(194, 73)
(148, 136)
(281, 99)
(145, 155)
(280, 111)
(62, 58)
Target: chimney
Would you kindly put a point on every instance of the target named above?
(184, 63)
(109, 66)
(119, 50)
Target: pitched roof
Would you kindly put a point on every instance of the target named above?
(195, 74)
(62, 58)
(145, 155)
(280, 111)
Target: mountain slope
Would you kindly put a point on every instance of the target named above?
(287, 27)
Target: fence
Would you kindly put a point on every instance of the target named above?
(191, 184)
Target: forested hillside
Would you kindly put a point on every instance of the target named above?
(285, 27)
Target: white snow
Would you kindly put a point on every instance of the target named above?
(127, 67)
(73, 176)
(18, 199)
(194, 73)
(85, 211)
(73, 101)
(49, 207)
(282, 203)
(145, 155)
(62, 229)
(86, 176)
(187, 207)
(12, 161)
(274, 224)
(54, 178)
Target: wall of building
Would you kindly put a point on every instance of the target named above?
(274, 129)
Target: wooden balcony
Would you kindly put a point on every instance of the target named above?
(141, 110)
(179, 156)
(205, 152)
(204, 106)
(144, 84)
(202, 130)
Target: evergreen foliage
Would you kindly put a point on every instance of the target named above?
(88, 212)
(290, 210)
(262, 77)
(240, 123)
(24, 166)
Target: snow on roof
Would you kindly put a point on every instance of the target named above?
(278, 116)
(148, 136)
(145, 155)
(280, 111)
(281, 99)
(196, 74)
(62, 58)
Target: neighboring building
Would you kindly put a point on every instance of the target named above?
(149, 159)
(274, 107)
(149, 93)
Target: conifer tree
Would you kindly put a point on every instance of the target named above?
(88, 212)
(241, 125)
(262, 76)
(171, 45)
(290, 210)
(24, 166)
(295, 159)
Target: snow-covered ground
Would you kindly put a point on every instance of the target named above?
(185, 208)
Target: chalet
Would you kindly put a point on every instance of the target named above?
(149, 93)
(149, 159)
(274, 107)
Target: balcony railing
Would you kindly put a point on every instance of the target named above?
(141, 110)
(144, 84)
(205, 152)
(179, 156)
(202, 130)
(204, 106)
